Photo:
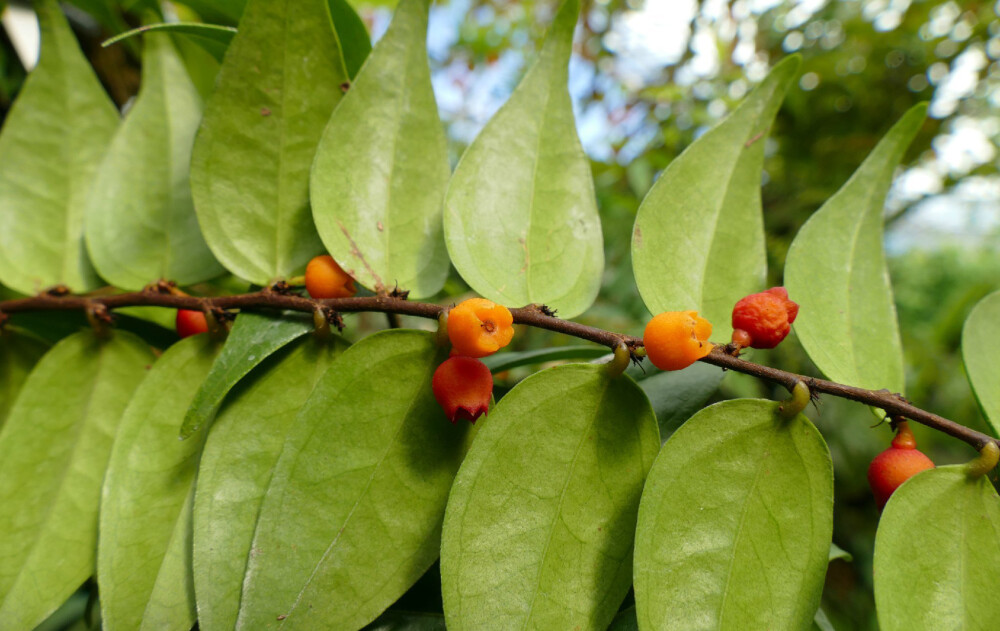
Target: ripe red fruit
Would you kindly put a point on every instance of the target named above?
(763, 320)
(462, 387)
(897, 464)
(190, 323)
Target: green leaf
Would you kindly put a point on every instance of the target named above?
(278, 84)
(382, 167)
(521, 218)
(242, 449)
(353, 512)
(144, 556)
(677, 394)
(735, 522)
(212, 37)
(407, 621)
(141, 224)
(625, 621)
(19, 352)
(836, 271)
(218, 10)
(981, 354)
(539, 526)
(698, 240)
(52, 141)
(355, 43)
(54, 449)
(500, 362)
(254, 338)
(836, 552)
(937, 553)
(821, 622)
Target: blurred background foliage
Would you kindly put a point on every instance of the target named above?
(647, 78)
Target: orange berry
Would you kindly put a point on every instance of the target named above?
(478, 327)
(190, 323)
(325, 279)
(764, 319)
(462, 387)
(676, 339)
(897, 464)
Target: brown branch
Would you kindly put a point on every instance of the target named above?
(532, 315)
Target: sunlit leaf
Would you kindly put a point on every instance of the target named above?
(735, 523)
(521, 219)
(352, 515)
(539, 527)
(19, 352)
(382, 167)
(52, 141)
(981, 354)
(937, 554)
(54, 449)
(836, 271)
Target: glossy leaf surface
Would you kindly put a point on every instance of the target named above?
(353, 513)
(239, 457)
(735, 523)
(981, 354)
(505, 361)
(140, 224)
(54, 450)
(382, 167)
(19, 352)
(698, 240)
(212, 37)
(677, 394)
(51, 143)
(144, 557)
(939, 524)
(279, 81)
(836, 271)
(539, 527)
(254, 338)
(521, 218)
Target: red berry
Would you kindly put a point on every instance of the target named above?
(462, 387)
(896, 465)
(763, 319)
(190, 323)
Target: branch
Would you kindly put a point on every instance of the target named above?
(537, 316)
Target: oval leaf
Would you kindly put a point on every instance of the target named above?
(144, 557)
(19, 352)
(54, 450)
(698, 240)
(836, 271)
(382, 167)
(937, 554)
(521, 218)
(361, 483)
(254, 338)
(212, 37)
(141, 225)
(539, 526)
(981, 354)
(677, 394)
(52, 142)
(735, 523)
(279, 81)
(236, 467)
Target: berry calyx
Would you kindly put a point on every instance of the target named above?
(762, 320)
(676, 339)
(189, 322)
(897, 464)
(462, 387)
(478, 327)
(325, 279)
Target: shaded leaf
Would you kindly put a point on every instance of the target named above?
(677, 394)
(52, 141)
(836, 552)
(539, 526)
(19, 352)
(141, 224)
(382, 167)
(625, 621)
(981, 354)
(228, 11)
(242, 449)
(698, 240)
(355, 43)
(144, 557)
(521, 218)
(735, 522)
(836, 271)
(254, 338)
(212, 37)
(353, 513)
(937, 553)
(278, 84)
(500, 362)
(407, 621)
(821, 622)
(54, 449)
